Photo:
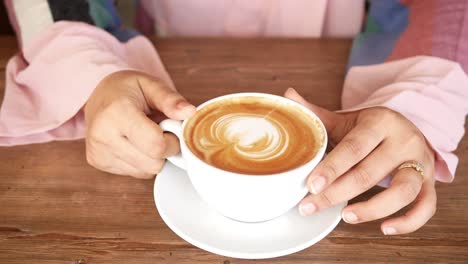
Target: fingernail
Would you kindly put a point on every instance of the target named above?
(183, 104)
(317, 185)
(389, 231)
(290, 89)
(349, 217)
(307, 209)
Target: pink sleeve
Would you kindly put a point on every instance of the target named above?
(49, 82)
(431, 92)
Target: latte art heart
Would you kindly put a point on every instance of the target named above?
(252, 136)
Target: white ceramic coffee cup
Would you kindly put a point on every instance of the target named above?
(243, 197)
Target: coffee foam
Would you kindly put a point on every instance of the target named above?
(252, 135)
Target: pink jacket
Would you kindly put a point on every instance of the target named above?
(61, 63)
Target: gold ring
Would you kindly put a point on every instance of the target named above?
(417, 166)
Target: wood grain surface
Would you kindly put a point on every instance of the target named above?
(54, 208)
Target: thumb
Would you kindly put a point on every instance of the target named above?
(329, 118)
(160, 96)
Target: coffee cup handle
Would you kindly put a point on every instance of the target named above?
(174, 127)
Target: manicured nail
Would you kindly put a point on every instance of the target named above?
(183, 104)
(350, 217)
(317, 185)
(307, 209)
(389, 231)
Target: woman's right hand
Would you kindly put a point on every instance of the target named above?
(120, 137)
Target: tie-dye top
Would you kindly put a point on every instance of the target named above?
(433, 27)
(407, 55)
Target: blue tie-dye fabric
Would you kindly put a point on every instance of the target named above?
(106, 16)
(386, 20)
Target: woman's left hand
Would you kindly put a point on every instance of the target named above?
(371, 144)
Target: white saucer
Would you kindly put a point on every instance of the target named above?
(189, 217)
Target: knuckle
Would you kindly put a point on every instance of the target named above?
(100, 136)
(161, 145)
(97, 158)
(155, 138)
(97, 163)
(366, 212)
(415, 139)
(409, 191)
(329, 170)
(155, 153)
(362, 177)
(353, 146)
(387, 115)
(156, 168)
(170, 100)
(157, 145)
(326, 200)
(152, 167)
(380, 116)
(99, 130)
(414, 143)
(372, 132)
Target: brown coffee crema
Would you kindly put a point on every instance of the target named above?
(253, 135)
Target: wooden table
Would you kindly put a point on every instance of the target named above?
(54, 208)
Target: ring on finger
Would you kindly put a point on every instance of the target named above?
(415, 165)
